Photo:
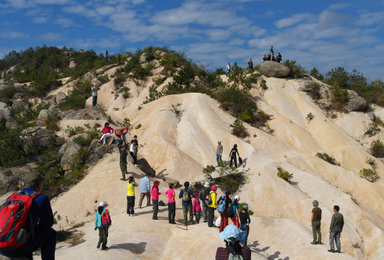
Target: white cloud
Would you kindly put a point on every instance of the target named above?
(339, 6)
(101, 43)
(51, 37)
(13, 35)
(367, 19)
(294, 19)
(39, 19)
(64, 22)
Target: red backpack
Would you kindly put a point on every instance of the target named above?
(16, 225)
(106, 219)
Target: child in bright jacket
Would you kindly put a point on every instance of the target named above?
(196, 208)
(103, 227)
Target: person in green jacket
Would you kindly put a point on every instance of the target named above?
(337, 224)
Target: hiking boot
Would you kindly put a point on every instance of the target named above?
(338, 251)
(173, 222)
(154, 218)
(314, 243)
(98, 245)
(320, 243)
(331, 251)
(104, 248)
(123, 179)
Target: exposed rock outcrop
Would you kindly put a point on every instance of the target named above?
(355, 102)
(39, 138)
(274, 69)
(89, 113)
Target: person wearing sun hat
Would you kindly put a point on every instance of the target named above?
(204, 197)
(232, 237)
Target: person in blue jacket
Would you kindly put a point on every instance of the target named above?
(42, 219)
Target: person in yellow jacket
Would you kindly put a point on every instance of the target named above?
(131, 184)
(212, 206)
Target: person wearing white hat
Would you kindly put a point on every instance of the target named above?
(219, 152)
(204, 197)
(102, 222)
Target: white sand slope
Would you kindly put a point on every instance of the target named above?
(180, 146)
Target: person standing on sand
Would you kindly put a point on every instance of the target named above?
(94, 89)
(145, 190)
(133, 152)
(219, 153)
(155, 199)
(316, 223)
(171, 204)
(335, 229)
(131, 184)
(123, 161)
(186, 195)
(212, 206)
(204, 197)
(101, 213)
(233, 157)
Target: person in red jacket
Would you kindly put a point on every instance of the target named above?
(107, 133)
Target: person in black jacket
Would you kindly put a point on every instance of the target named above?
(233, 156)
(187, 202)
(42, 219)
(244, 221)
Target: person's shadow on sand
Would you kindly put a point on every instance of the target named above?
(138, 248)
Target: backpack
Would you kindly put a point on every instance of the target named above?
(229, 212)
(186, 196)
(106, 219)
(16, 224)
(222, 207)
(231, 256)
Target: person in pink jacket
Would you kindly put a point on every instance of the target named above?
(196, 208)
(155, 199)
(107, 133)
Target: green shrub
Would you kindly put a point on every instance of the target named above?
(314, 91)
(239, 130)
(138, 126)
(374, 127)
(77, 96)
(369, 174)
(316, 74)
(285, 175)
(11, 148)
(310, 116)
(103, 78)
(339, 98)
(296, 70)
(261, 119)
(377, 149)
(263, 85)
(327, 158)
(71, 131)
(28, 116)
(126, 122)
(230, 178)
(52, 123)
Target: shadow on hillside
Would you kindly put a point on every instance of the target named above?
(138, 248)
(145, 167)
(150, 211)
(254, 248)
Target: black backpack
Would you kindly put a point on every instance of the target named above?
(229, 212)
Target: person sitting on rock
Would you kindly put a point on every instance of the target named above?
(107, 133)
(233, 249)
(279, 57)
(265, 57)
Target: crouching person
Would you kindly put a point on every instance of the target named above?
(103, 222)
(26, 228)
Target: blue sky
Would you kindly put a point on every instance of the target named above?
(323, 34)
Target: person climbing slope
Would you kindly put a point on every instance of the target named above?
(233, 156)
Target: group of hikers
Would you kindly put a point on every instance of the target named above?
(267, 57)
(271, 56)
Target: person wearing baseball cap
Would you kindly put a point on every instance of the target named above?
(316, 223)
(42, 221)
